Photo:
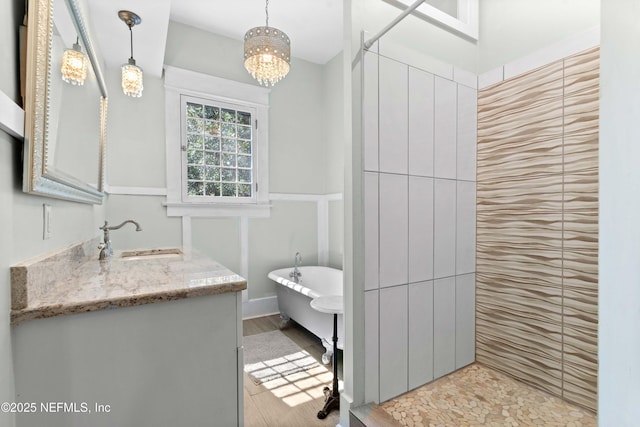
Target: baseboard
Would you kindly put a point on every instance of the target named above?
(369, 415)
(260, 307)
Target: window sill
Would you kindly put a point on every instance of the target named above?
(262, 210)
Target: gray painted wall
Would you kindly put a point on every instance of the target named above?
(21, 214)
(512, 29)
(10, 13)
(333, 83)
(6, 245)
(9, 19)
(305, 140)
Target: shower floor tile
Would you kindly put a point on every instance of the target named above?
(479, 396)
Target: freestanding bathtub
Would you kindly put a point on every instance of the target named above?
(294, 301)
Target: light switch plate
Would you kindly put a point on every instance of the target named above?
(46, 223)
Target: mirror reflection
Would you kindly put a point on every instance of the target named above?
(74, 119)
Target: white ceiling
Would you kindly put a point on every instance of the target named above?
(314, 26)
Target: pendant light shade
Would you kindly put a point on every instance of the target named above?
(267, 54)
(74, 65)
(132, 75)
(132, 79)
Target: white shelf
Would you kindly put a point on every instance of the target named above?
(11, 116)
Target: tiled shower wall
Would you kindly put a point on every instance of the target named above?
(537, 227)
(419, 218)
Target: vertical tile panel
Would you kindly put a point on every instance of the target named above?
(420, 229)
(465, 319)
(394, 222)
(420, 333)
(467, 133)
(519, 279)
(370, 111)
(464, 77)
(444, 326)
(444, 250)
(466, 227)
(537, 230)
(445, 128)
(581, 133)
(393, 116)
(519, 236)
(580, 279)
(490, 77)
(393, 342)
(520, 126)
(371, 347)
(421, 122)
(582, 72)
(580, 232)
(371, 241)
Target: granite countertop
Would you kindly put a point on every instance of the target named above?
(74, 281)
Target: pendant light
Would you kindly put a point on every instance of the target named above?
(267, 53)
(131, 73)
(74, 65)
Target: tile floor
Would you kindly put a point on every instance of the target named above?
(295, 400)
(479, 396)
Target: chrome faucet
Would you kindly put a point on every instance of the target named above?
(106, 251)
(296, 274)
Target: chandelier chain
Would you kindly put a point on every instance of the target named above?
(266, 11)
(131, 40)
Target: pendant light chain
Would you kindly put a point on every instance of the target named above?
(266, 11)
(131, 38)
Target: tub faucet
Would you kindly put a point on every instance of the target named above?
(296, 274)
(106, 251)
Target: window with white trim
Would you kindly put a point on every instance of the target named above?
(217, 151)
(217, 146)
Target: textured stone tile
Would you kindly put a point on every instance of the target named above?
(479, 396)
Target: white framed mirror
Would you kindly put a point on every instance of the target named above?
(65, 124)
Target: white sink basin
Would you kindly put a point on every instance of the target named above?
(151, 254)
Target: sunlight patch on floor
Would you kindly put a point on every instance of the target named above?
(301, 387)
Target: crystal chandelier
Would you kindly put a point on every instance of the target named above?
(266, 53)
(74, 65)
(131, 73)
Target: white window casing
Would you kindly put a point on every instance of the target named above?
(181, 85)
(465, 23)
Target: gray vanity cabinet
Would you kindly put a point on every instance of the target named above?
(163, 364)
